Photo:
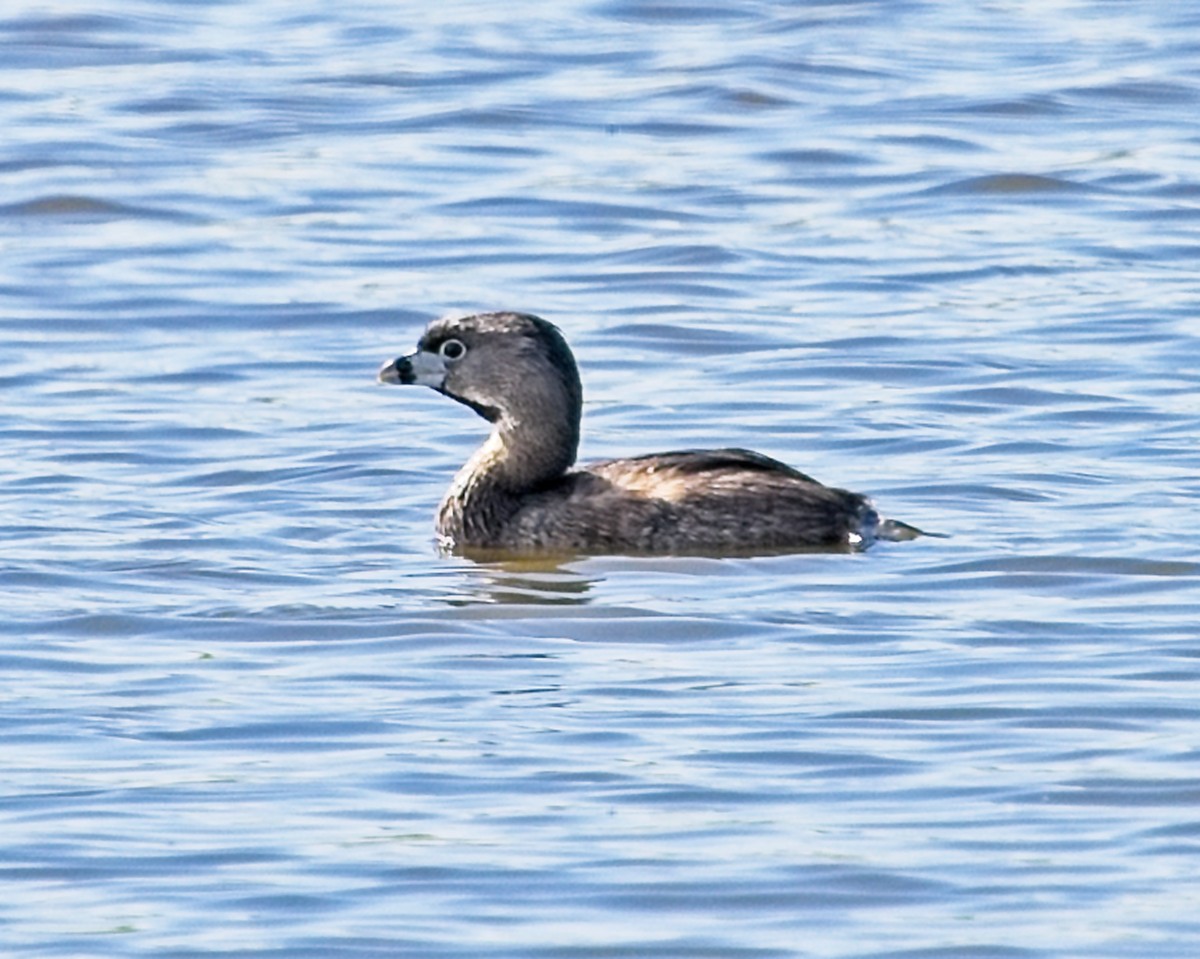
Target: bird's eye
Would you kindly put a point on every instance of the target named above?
(452, 350)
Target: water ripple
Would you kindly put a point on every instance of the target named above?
(935, 254)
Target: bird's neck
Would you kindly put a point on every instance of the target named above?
(519, 457)
(527, 450)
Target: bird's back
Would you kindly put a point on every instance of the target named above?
(688, 501)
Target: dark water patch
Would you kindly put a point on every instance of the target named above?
(595, 212)
(1024, 396)
(684, 12)
(859, 285)
(971, 947)
(1187, 830)
(29, 163)
(499, 120)
(437, 80)
(300, 733)
(1144, 792)
(59, 665)
(1016, 185)
(1071, 566)
(695, 797)
(873, 343)
(237, 132)
(859, 369)
(850, 764)
(934, 143)
(670, 129)
(818, 889)
(737, 100)
(171, 105)
(147, 865)
(68, 207)
(941, 714)
(818, 68)
(64, 25)
(673, 255)
(1034, 107)
(22, 380)
(123, 434)
(1165, 676)
(1130, 183)
(497, 149)
(64, 41)
(652, 283)
(1139, 93)
(191, 378)
(1033, 447)
(460, 256)
(1112, 415)
(1171, 189)
(1178, 214)
(817, 158)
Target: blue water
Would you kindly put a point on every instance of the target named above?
(942, 254)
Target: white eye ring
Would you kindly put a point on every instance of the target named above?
(452, 350)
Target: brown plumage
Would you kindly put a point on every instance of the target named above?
(517, 493)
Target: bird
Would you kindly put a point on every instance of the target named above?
(519, 493)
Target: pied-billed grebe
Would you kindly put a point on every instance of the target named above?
(519, 494)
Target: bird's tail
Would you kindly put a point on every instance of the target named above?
(896, 531)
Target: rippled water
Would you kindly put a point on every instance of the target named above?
(944, 254)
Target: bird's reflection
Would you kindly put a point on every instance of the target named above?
(504, 580)
(497, 578)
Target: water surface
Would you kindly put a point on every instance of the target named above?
(943, 256)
